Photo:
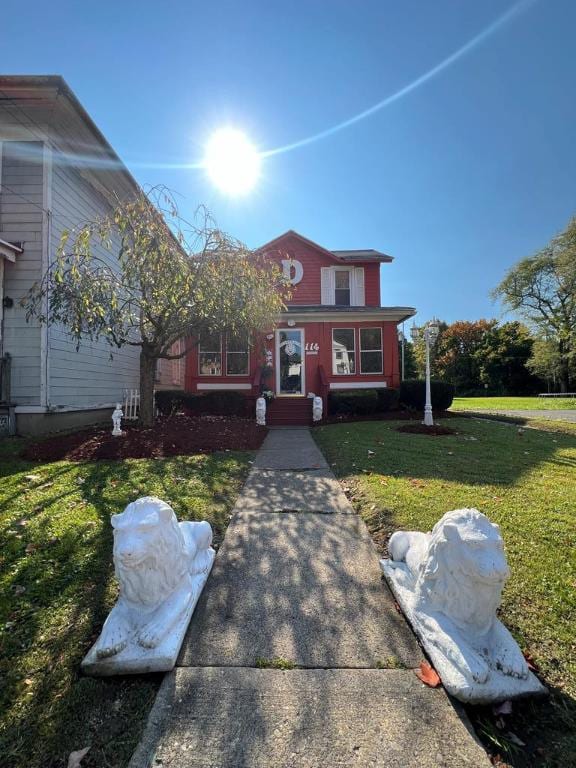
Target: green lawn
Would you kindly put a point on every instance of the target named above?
(57, 586)
(513, 403)
(523, 481)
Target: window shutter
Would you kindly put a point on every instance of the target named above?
(359, 297)
(327, 286)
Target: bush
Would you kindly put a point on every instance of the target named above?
(353, 402)
(413, 394)
(221, 403)
(388, 400)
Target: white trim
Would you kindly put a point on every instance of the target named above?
(379, 314)
(232, 385)
(211, 352)
(237, 353)
(277, 362)
(62, 408)
(381, 350)
(334, 373)
(358, 385)
(46, 249)
(1, 156)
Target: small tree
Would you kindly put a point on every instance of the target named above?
(542, 288)
(167, 283)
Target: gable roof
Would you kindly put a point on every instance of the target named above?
(338, 256)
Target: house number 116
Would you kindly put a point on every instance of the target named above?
(311, 346)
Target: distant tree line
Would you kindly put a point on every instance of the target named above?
(515, 358)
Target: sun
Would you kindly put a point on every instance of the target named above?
(232, 162)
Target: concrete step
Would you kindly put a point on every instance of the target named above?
(267, 718)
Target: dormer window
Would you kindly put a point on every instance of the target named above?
(342, 287)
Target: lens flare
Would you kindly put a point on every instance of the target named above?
(232, 162)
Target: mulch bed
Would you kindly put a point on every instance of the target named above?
(422, 429)
(170, 436)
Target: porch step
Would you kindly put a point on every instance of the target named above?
(289, 411)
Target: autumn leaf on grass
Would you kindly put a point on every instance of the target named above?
(75, 758)
(428, 675)
(530, 661)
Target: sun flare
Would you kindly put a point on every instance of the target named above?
(232, 162)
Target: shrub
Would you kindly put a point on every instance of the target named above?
(221, 403)
(387, 399)
(354, 402)
(413, 394)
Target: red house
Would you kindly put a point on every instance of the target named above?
(333, 335)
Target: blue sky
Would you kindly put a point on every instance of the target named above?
(458, 179)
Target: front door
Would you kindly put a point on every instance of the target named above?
(290, 362)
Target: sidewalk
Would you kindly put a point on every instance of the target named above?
(297, 579)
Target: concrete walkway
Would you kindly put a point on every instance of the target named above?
(297, 579)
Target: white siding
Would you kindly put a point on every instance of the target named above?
(87, 376)
(21, 217)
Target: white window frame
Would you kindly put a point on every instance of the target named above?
(351, 285)
(177, 365)
(277, 362)
(381, 350)
(335, 373)
(209, 352)
(238, 353)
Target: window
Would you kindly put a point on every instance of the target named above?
(343, 351)
(371, 350)
(210, 355)
(342, 287)
(178, 364)
(237, 356)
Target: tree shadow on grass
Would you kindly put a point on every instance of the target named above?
(57, 590)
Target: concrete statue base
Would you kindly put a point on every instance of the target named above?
(161, 566)
(449, 583)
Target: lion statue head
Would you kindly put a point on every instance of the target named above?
(464, 570)
(149, 551)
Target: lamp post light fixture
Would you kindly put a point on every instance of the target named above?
(430, 334)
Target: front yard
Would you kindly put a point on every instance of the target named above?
(524, 480)
(57, 586)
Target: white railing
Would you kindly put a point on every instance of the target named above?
(558, 394)
(131, 404)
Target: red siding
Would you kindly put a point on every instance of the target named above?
(307, 292)
(320, 333)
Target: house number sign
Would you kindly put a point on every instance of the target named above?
(311, 348)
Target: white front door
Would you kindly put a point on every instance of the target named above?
(290, 359)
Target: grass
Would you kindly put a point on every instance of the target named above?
(524, 482)
(513, 403)
(277, 663)
(57, 586)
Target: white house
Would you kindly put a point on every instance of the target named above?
(57, 171)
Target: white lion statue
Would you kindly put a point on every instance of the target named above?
(449, 583)
(161, 566)
(317, 408)
(261, 412)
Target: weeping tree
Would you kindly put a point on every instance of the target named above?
(144, 277)
(542, 289)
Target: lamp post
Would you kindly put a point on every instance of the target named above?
(429, 333)
(402, 339)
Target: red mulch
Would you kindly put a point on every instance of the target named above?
(422, 429)
(170, 436)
